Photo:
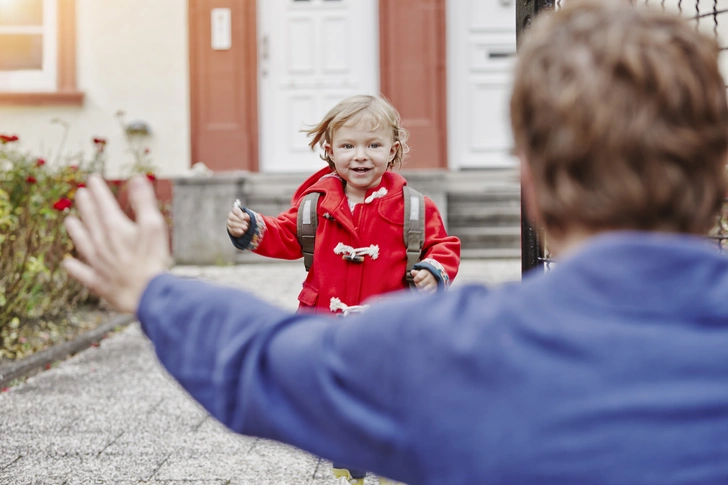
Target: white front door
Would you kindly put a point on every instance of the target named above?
(311, 54)
(481, 49)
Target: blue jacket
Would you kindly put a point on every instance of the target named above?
(610, 369)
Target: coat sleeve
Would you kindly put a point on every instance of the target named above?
(274, 237)
(266, 372)
(441, 252)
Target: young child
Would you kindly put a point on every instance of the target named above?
(360, 248)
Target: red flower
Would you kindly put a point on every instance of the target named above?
(7, 138)
(31, 179)
(80, 185)
(39, 162)
(151, 176)
(116, 182)
(62, 204)
(5, 389)
(99, 141)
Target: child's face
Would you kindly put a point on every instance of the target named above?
(361, 155)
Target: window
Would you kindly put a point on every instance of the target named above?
(37, 52)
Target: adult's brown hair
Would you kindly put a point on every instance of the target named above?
(621, 114)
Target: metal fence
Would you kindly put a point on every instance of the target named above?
(710, 16)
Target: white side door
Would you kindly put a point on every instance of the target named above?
(311, 54)
(481, 48)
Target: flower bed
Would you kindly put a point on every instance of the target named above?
(40, 305)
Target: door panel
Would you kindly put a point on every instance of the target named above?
(223, 88)
(313, 54)
(481, 52)
(413, 75)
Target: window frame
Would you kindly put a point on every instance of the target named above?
(61, 88)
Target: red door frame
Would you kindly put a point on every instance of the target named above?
(224, 88)
(413, 74)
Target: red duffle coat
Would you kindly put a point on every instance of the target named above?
(379, 222)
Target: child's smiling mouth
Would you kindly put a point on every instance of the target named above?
(361, 169)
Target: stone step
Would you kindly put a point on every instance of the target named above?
(483, 215)
(462, 193)
(484, 237)
(491, 253)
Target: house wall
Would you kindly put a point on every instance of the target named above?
(132, 56)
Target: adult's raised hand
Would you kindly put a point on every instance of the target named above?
(120, 256)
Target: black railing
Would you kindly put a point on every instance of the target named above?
(706, 15)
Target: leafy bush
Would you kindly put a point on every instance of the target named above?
(37, 297)
(34, 200)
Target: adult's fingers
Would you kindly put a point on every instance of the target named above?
(111, 215)
(152, 228)
(99, 243)
(80, 237)
(142, 198)
(83, 273)
(114, 226)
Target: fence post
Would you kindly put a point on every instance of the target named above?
(532, 250)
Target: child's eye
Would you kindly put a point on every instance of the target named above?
(348, 146)
(376, 145)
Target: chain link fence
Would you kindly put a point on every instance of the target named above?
(709, 16)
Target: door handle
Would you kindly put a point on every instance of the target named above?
(264, 47)
(501, 54)
(264, 55)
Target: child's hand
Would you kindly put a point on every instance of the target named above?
(238, 222)
(424, 280)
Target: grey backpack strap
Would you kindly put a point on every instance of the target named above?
(306, 225)
(414, 228)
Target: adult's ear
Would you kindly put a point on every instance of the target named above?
(528, 193)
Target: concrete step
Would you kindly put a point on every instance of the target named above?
(484, 237)
(481, 180)
(491, 253)
(500, 192)
(483, 215)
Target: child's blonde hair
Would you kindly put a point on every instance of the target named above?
(621, 115)
(353, 109)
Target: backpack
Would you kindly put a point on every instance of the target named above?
(414, 227)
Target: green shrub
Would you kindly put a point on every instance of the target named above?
(35, 197)
(39, 303)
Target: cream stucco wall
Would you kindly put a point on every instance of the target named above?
(132, 55)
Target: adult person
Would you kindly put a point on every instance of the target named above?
(610, 369)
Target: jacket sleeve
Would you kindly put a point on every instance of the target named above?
(274, 237)
(441, 253)
(266, 372)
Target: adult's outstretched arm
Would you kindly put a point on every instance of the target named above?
(328, 385)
